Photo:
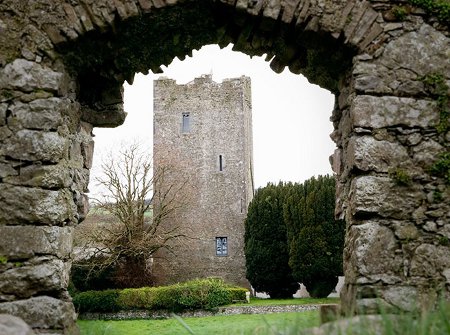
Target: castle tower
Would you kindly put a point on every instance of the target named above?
(203, 130)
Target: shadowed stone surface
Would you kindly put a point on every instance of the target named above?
(359, 325)
(42, 312)
(11, 325)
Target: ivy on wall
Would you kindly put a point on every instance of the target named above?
(439, 8)
(435, 84)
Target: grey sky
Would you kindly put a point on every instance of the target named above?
(291, 124)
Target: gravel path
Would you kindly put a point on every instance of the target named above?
(231, 310)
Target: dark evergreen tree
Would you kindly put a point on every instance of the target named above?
(315, 238)
(266, 250)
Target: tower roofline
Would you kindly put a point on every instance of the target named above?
(203, 78)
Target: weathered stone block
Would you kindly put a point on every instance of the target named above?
(366, 153)
(3, 108)
(81, 179)
(12, 325)
(7, 170)
(336, 161)
(424, 51)
(146, 5)
(33, 145)
(84, 18)
(405, 230)
(42, 312)
(289, 7)
(426, 153)
(371, 81)
(75, 154)
(5, 132)
(272, 9)
(378, 112)
(446, 274)
(45, 176)
(402, 297)
(28, 76)
(381, 196)
(30, 279)
(430, 261)
(372, 306)
(403, 62)
(33, 205)
(445, 230)
(368, 242)
(82, 202)
(108, 117)
(72, 18)
(87, 150)
(38, 114)
(21, 242)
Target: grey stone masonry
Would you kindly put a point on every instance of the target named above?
(203, 130)
(62, 66)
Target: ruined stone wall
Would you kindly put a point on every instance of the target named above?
(215, 155)
(390, 132)
(62, 66)
(45, 157)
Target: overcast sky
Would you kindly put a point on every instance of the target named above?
(291, 124)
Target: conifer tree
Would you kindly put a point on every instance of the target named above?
(315, 238)
(266, 248)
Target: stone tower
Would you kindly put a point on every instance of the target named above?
(203, 130)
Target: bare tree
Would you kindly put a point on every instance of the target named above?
(140, 202)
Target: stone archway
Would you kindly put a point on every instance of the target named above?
(62, 65)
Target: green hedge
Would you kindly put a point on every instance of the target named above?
(195, 294)
(97, 301)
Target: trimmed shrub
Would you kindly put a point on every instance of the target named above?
(142, 298)
(211, 292)
(97, 301)
(206, 293)
(237, 294)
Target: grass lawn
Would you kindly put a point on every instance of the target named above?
(255, 324)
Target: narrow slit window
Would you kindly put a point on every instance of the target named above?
(186, 126)
(220, 163)
(221, 246)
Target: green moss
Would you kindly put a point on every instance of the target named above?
(400, 12)
(437, 196)
(438, 8)
(443, 240)
(348, 19)
(6, 95)
(400, 177)
(441, 168)
(435, 84)
(3, 259)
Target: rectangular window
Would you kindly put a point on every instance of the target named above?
(186, 126)
(221, 246)
(220, 163)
